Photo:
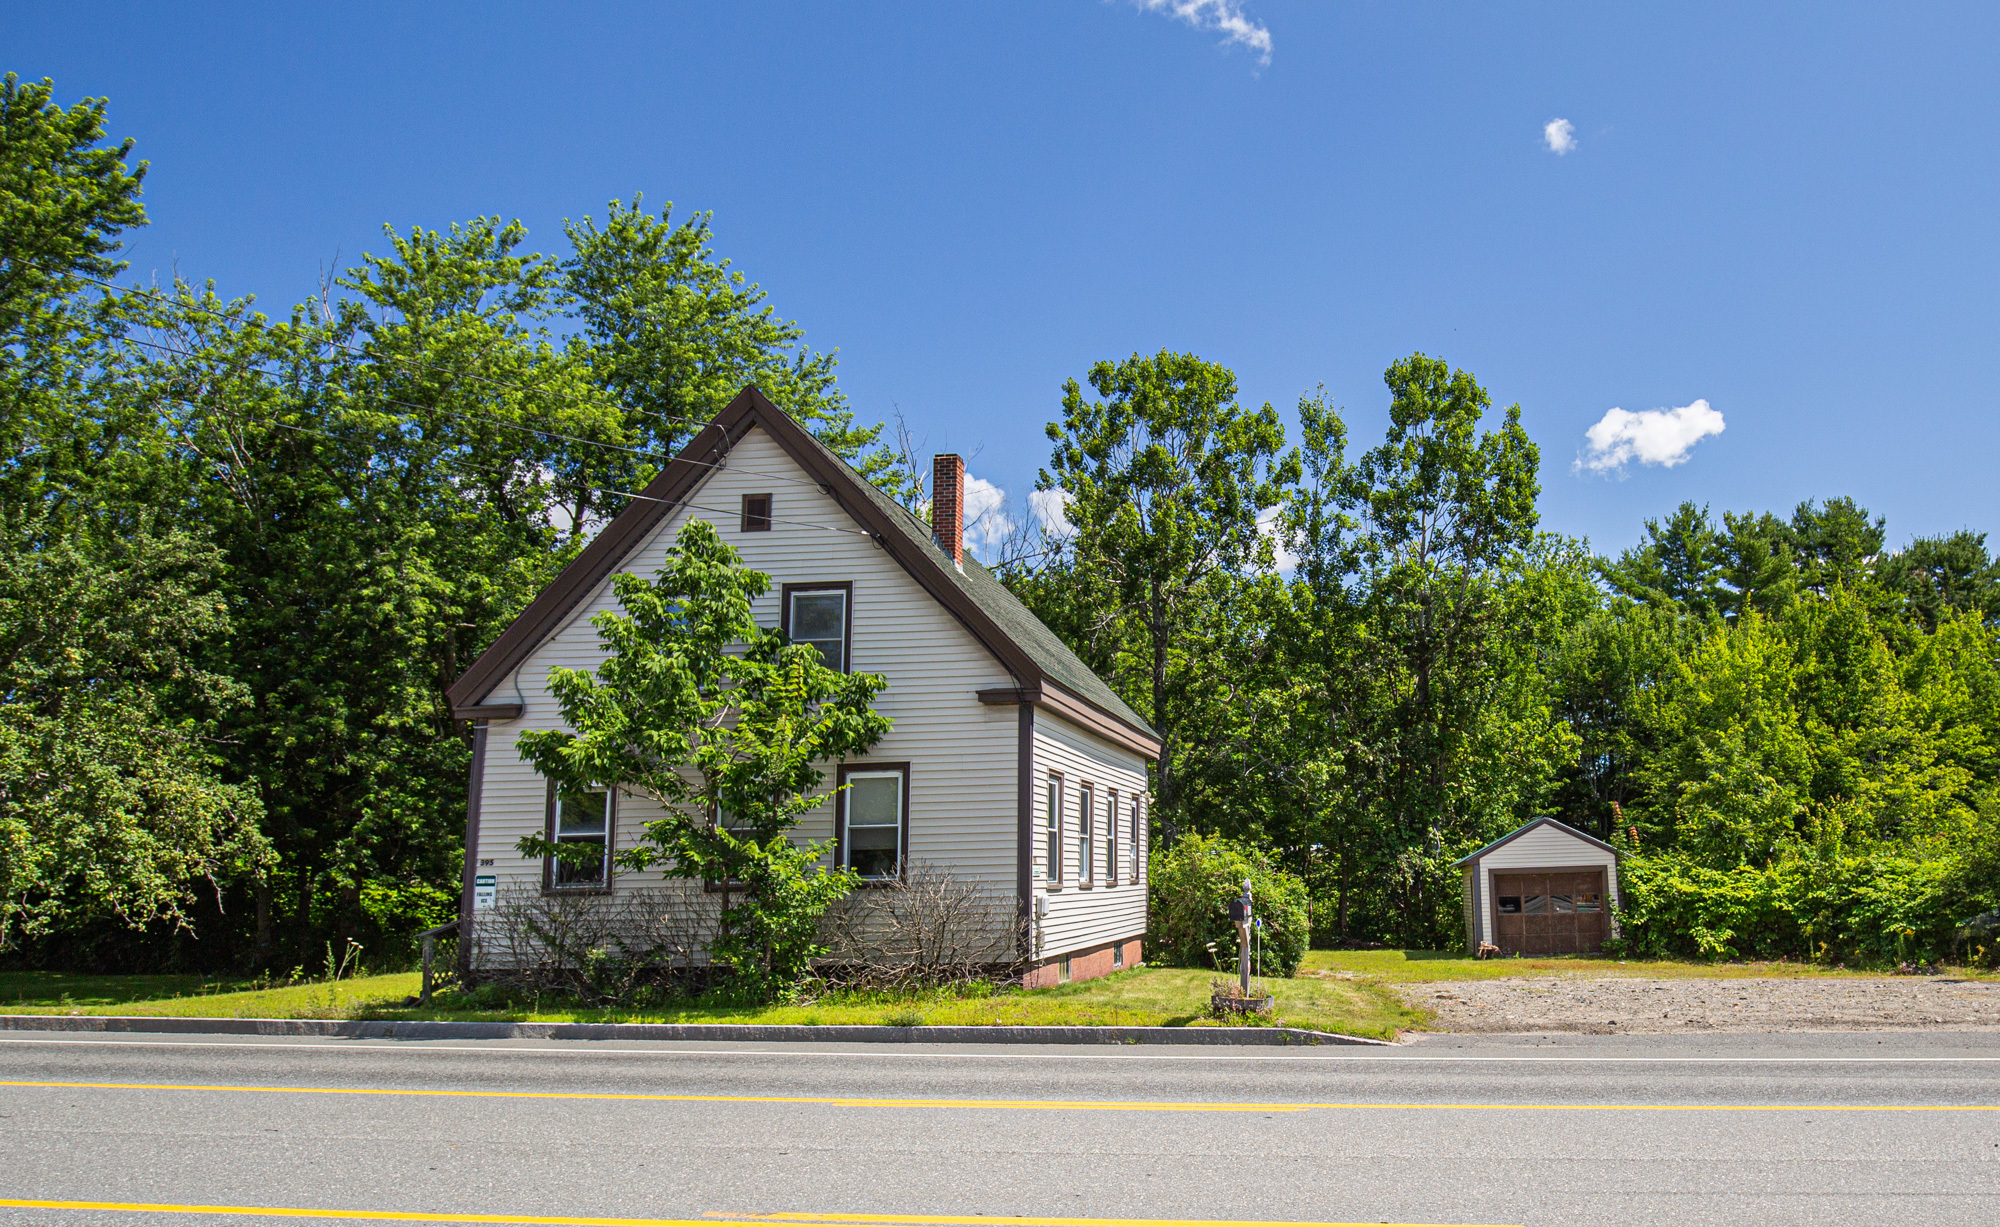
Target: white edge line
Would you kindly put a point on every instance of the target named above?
(335, 1044)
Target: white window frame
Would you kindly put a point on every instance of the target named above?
(900, 772)
(1052, 828)
(845, 590)
(1086, 852)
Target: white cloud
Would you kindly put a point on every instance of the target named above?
(1651, 436)
(986, 520)
(1225, 17)
(1267, 526)
(1049, 507)
(1559, 135)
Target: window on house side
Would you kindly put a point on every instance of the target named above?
(1137, 860)
(873, 842)
(756, 513)
(1052, 833)
(1111, 838)
(584, 819)
(1086, 805)
(820, 618)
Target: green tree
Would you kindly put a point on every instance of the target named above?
(1680, 565)
(1940, 576)
(721, 724)
(1165, 478)
(112, 805)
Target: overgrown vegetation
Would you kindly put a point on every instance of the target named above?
(245, 555)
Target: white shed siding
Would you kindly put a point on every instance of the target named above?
(963, 755)
(1080, 917)
(1544, 847)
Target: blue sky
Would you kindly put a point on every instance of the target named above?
(1785, 212)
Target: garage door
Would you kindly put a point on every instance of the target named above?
(1549, 913)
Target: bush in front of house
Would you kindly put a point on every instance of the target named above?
(1191, 883)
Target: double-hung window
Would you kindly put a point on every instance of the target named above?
(1138, 827)
(1086, 815)
(1052, 849)
(819, 614)
(579, 824)
(873, 814)
(1111, 837)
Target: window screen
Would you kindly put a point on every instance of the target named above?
(820, 618)
(756, 513)
(874, 842)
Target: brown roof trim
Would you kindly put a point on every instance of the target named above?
(630, 526)
(1052, 698)
(598, 559)
(1515, 834)
(488, 711)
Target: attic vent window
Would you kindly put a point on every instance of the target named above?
(756, 513)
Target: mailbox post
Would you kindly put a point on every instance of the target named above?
(1240, 912)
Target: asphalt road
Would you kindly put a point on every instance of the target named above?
(1770, 1130)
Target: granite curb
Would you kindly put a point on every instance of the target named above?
(725, 1032)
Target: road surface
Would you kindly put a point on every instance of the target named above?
(1769, 1130)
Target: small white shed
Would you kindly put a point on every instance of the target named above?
(1545, 888)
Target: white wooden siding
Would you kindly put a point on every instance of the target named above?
(1545, 847)
(963, 755)
(1079, 917)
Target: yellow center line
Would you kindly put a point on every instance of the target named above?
(1045, 1105)
(707, 1220)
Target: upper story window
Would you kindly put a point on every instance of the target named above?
(818, 614)
(580, 821)
(1138, 830)
(1111, 837)
(756, 513)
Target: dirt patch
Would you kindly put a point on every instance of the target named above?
(1619, 1005)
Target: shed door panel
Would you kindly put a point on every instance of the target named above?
(1549, 913)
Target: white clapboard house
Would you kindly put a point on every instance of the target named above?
(1010, 762)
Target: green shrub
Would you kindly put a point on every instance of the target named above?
(1864, 910)
(1192, 882)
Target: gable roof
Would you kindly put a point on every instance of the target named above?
(1516, 833)
(1045, 671)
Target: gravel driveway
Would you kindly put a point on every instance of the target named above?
(1617, 1005)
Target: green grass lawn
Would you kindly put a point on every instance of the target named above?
(1142, 997)
(1407, 966)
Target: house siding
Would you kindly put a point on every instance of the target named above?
(1542, 848)
(1078, 920)
(963, 755)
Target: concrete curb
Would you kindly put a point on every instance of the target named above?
(727, 1032)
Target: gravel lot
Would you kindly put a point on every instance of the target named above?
(1619, 1005)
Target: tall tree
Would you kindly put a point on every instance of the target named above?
(1166, 480)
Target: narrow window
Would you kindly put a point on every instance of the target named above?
(1136, 861)
(580, 820)
(819, 616)
(1118, 956)
(1563, 903)
(1111, 837)
(873, 807)
(1052, 833)
(1062, 973)
(1086, 805)
(756, 513)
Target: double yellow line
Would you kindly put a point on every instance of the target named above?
(715, 1220)
(1043, 1105)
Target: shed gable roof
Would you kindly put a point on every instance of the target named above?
(1516, 833)
(1025, 647)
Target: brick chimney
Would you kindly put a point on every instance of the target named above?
(948, 506)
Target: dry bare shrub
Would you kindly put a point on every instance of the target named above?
(932, 929)
(600, 947)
